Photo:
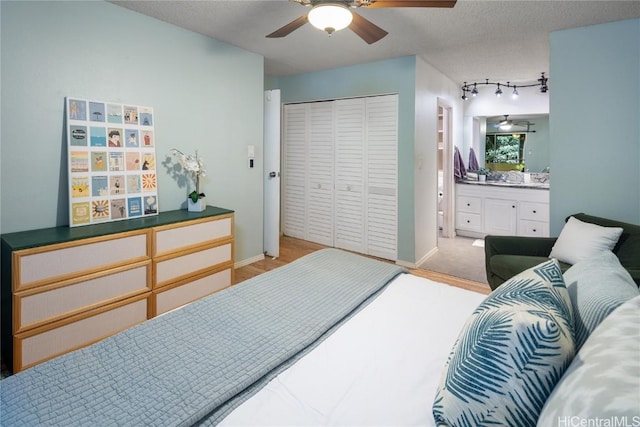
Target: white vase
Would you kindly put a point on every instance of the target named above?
(198, 206)
(482, 178)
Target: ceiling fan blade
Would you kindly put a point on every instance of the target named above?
(289, 28)
(412, 3)
(367, 30)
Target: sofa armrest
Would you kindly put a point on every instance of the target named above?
(518, 245)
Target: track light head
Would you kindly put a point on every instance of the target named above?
(543, 84)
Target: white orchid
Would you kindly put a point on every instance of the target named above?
(195, 166)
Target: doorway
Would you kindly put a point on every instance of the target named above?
(271, 214)
(445, 172)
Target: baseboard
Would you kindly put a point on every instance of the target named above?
(427, 256)
(405, 264)
(248, 261)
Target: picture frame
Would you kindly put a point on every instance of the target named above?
(111, 161)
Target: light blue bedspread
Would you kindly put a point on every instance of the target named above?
(194, 365)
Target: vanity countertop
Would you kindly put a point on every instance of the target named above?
(534, 185)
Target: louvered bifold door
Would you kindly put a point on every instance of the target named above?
(294, 167)
(382, 176)
(350, 174)
(320, 170)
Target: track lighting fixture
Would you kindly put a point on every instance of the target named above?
(473, 87)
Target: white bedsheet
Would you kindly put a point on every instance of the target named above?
(381, 368)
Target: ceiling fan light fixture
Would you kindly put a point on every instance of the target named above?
(330, 17)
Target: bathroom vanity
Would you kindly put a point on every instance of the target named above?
(501, 208)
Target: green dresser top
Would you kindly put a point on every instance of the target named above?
(48, 236)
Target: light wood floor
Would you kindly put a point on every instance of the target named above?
(292, 249)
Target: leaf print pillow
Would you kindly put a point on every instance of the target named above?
(510, 354)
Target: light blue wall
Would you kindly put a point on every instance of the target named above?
(536, 147)
(205, 94)
(382, 77)
(594, 116)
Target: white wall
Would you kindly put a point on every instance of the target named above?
(431, 85)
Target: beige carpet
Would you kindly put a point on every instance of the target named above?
(460, 257)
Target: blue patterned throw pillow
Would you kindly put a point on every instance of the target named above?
(510, 354)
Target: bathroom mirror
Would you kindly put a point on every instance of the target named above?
(516, 142)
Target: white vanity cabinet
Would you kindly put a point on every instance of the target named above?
(469, 212)
(483, 209)
(500, 216)
(64, 288)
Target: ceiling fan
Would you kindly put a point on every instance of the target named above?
(323, 12)
(507, 124)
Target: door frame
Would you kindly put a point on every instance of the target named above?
(448, 185)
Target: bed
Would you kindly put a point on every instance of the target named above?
(331, 339)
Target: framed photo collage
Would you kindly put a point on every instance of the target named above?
(112, 161)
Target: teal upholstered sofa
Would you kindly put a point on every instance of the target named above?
(506, 256)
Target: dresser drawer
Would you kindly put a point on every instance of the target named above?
(181, 294)
(533, 228)
(468, 221)
(469, 204)
(178, 267)
(533, 211)
(37, 306)
(44, 343)
(172, 238)
(53, 263)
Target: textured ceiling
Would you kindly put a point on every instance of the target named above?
(476, 40)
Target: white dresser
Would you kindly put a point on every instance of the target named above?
(64, 288)
(483, 209)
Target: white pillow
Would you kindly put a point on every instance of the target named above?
(580, 240)
(597, 286)
(602, 381)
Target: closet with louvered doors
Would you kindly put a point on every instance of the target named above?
(340, 173)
